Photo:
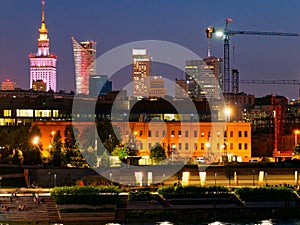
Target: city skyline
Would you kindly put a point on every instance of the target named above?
(179, 22)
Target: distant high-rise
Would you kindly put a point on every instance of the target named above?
(181, 89)
(84, 58)
(99, 85)
(141, 70)
(155, 87)
(43, 63)
(8, 85)
(202, 78)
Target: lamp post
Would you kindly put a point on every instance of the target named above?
(54, 179)
(253, 171)
(208, 149)
(296, 137)
(227, 114)
(215, 179)
(172, 153)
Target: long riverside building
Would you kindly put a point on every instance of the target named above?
(212, 140)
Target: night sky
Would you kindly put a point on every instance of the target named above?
(112, 23)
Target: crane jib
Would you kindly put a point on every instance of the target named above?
(233, 32)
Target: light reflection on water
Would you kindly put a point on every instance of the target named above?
(262, 222)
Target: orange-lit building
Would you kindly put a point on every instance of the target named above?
(182, 139)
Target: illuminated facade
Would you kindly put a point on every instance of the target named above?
(140, 72)
(185, 140)
(191, 139)
(39, 85)
(8, 85)
(43, 63)
(84, 58)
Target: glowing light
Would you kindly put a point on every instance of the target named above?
(36, 140)
(219, 33)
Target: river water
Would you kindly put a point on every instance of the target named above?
(263, 222)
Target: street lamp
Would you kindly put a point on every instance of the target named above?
(173, 150)
(36, 140)
(253, 171)
(296, 136)
(208, 149)
(54, 179)
(227, 114)
(215, 179)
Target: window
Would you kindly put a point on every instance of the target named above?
(163, 133)
(186, 146)
(245, 133)
(7, 112)
(195, 146)
(202, 146)
(24, 112)
(186, 133)
(240, 133)
(218, 146)
(164, 145)
(156, 133)
(149, 146)
(141, 146)
(218, 134)
(202, 134)
(208, 134)
(172, 133)
(195, 133)
(149, 133)
(141, 133)
(179, 133)
(179, 146)
(231, 133)
(240, 146)
(245, 146)
(231, 146)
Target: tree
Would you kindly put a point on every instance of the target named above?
(90, 157)
(107, 135)
(56, 150)
(121, 151)
(71, 153)
(229, 173)
(158, 153)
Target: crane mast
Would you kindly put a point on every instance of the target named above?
(226, 33)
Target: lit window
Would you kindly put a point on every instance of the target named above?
(7, 112)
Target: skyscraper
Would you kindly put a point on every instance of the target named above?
(84, 58)
(43, 63)
(141, 70)
(202, 78)
(99, 85)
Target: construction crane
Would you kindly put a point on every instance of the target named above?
(226, 33)
(288, 82)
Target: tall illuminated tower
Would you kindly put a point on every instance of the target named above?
(141, 71)
(43, 63)
(84, 58)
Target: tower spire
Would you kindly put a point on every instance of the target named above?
(43, 29)
(43, 11)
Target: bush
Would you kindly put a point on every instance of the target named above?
(190, 191)
(139, 196)
(85, 195)
(265, 194)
